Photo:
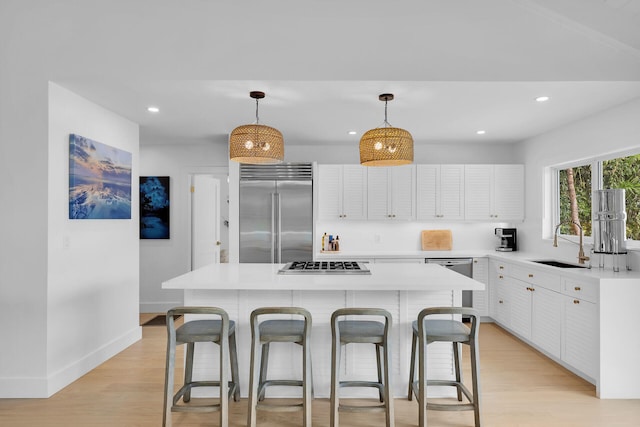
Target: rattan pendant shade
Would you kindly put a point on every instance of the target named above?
(387, 145)
(256, 143)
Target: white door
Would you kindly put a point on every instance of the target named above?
(205, 220)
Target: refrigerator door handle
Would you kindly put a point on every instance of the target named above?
(279, 237)
(273, 228)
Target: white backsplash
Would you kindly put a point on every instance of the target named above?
(399, 236)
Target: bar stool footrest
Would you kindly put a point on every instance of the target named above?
(187, 388)
(274, 407)
(373, 384)
(362, 408)
(447, 406)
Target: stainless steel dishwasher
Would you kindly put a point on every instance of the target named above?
(463, 266)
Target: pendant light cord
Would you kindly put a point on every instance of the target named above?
(257, 119)
(386, 123)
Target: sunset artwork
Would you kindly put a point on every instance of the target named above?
(99, 180)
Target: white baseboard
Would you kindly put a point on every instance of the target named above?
(42, 387)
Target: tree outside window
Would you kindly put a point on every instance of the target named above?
(575, 199)
(623, 173)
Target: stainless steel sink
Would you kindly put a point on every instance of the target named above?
(559, 264)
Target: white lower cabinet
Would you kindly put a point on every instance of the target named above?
(520, 306)
(580, 332)
(532, 304)
(546, 325)
(480, 273)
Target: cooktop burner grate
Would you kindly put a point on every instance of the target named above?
(324, 267)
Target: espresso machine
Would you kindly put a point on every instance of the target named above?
(508, 239)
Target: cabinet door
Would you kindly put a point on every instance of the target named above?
(509, 192)
(402, 192)
(481, 274)
(546, 323)
(520, 305)
(501, 304)
(478, 188)
(329, 191)
(451, 192)
(580, 335)
(354, 192)
(378, 193)
(428, 189)
(391, 192)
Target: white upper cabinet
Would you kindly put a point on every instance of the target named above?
(494, 192)
(342, 192)
(391, 192)
(440, 192)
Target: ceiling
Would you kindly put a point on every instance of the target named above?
(455, 66)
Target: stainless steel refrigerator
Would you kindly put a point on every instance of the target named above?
(276, 213)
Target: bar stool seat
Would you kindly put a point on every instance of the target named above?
(221, 332)
(367, 332)
(426, 331)
(264, 333)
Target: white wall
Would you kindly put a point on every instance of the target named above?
(92, 287)
(23, 230)
(161, 260)
(68, 289)
(612, 131)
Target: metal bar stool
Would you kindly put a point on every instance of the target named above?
(221, 332)
(426, 331)
(264, 333)
(361, 331)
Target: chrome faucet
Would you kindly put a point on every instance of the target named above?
(581, 256)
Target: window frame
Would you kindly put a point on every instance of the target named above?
(596, 165)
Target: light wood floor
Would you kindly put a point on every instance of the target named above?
(520, 387)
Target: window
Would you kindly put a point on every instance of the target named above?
(623, 173)
(577, 183)
(575, 199)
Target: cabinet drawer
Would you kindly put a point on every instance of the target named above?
(537, 277)
(500, 268)
(580, 288)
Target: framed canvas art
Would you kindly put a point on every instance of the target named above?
(99, 180)
(154, 207)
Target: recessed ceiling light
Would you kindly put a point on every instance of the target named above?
(352, 132)
(153, 109)
(481, 132)
(542, 98)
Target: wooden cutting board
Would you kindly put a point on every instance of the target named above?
(436, 240)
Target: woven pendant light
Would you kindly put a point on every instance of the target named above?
(256, 143)
(386, 146)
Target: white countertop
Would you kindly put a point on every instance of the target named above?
(383, 277)
(356, 255)
(525, 258)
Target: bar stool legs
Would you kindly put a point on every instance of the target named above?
(362, 331)
(221, 332)
(426, 331)
(279, 330)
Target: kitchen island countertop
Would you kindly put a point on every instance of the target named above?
(383, 277)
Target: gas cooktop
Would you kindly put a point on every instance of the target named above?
(324, 267)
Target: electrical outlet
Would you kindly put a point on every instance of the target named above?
(376, 238)
(66, 242)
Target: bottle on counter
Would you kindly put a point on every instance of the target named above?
(324, 242)
(336, 244)
(330, 245)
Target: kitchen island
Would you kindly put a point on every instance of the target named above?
(402, 289)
